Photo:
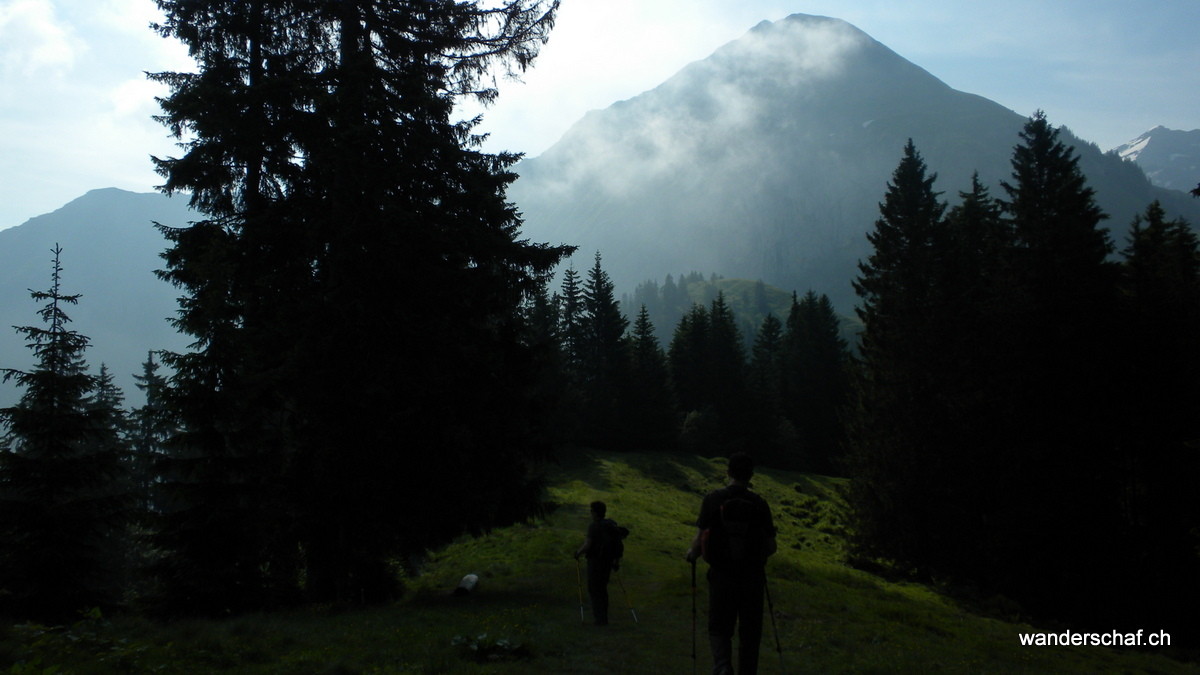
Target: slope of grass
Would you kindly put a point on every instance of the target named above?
(525, 614)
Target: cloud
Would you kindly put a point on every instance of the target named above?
(135, 98)
(34, 41)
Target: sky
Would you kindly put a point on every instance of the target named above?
(76, 108)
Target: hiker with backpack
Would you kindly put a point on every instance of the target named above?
(735, 534)
(603, 548)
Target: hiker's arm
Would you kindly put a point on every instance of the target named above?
(587, 545)
(693, 551)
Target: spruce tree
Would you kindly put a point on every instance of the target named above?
(647, 404)
(764, 385)
(766, 366)
(688, 360)
(727, 376)
(151, 425)
(1061, 333)
(1159, 422)
(61, 502)
(896, 487)
(321, 147)
(815, 386)
(226, 533)
(604, 358)
(571, 317)
(708, 371)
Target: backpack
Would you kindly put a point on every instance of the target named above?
(737, 536)
(612, 547)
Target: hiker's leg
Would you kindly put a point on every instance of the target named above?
(598, 571)
(750, 623)
(722, 651)
(722, 616)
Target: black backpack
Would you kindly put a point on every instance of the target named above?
(737, 537)
(612, 546)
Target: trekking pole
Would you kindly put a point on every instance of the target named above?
(626, 593)
(693, 617)
(774, 628)
(579, 583)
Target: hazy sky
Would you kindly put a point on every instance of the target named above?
(75, 106)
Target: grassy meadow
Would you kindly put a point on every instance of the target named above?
(524, 616)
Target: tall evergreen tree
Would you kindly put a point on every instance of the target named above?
(647, 404)
(226, 531)
(1159, 422)
(1062, 330)
(766, 366)
(61, 505)
(151, 426)
(772, 438)
(896, 488)
(107, 404)
(707, 362)
(687, 358)
(321, 145)
(727, 370)
(816, 382)
(571, 318)
(604, 357)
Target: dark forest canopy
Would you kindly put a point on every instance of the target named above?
(1026, 406)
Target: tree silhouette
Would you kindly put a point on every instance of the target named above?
(647, 403)
(61, 501)
(321, 146)
(815, 385)
(895, 488)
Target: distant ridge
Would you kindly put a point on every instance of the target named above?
(110, 251)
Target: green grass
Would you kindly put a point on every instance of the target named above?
(831, 618)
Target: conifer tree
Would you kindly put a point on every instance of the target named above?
(571, 327)
(895, 492)
(708, 364)
(647, 403)
(246, 274)
(982, 240)
(1159, 421)
(1062, 329)
(151, 426)
(727, 365)
(688, 358)
(815, 386)
(61, 506)
(107, 403)
(764, 385)
(766, 366)
(604, 357)
(321, 147)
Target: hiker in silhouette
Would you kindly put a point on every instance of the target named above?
(735, 534)
(600, 562)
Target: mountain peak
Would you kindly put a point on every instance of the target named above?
(1170, 157)
(765, 160)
